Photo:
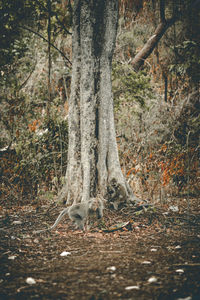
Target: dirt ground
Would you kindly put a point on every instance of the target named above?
(156, 258)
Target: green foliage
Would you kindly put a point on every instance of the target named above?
(43, 152)
(155, 137)
(38, 143)
(159, 147)
(33, 144)
(13, 14)
(39, 156)
(188, 122)
(189, 62)
(157, 140)
(129, 86)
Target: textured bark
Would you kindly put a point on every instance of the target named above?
(93, 162)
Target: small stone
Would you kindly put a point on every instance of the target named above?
(132, 287)
(112, 269)
(178, 247)
(12, 257)
(17, 222)
(30, 280)
(152, 279)
(174, 208)
(65, 253)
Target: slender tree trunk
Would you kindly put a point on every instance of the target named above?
(150, 45)
(49, 57)
(93, 162)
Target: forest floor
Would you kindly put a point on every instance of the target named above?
(158, 257)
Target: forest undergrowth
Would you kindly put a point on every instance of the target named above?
(156, 109)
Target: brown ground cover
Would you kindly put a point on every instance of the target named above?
(158, 258)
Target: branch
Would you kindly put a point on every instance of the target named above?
(49, 56)
(148, 48)
(162, 11)
(56, 15)
(42, 37)
(150, 45)
(26, 80)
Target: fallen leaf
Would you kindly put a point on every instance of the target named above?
(30, 280)
(152, 279)
(65, 253)
(12, 257)
(180, 271)
(40, 280)
(133, 287)
(17, 222)
(174, 208)
(178, 247)
(36, 241)
(146, 262)
(113, 268)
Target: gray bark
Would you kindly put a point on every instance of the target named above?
(93, 162)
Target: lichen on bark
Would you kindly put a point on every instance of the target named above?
(93, 162)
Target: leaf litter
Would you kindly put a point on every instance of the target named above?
(156, 258)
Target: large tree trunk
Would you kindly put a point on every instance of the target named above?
(93, 162)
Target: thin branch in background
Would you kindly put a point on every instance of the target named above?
(62, 25)
(162, 11)
(42, 37)
(166, 87)
(26, 80)
(56, 15)
(188, 177)
(69, 6)
(61, 151)
(49, 57)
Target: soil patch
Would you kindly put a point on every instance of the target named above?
(158, 258)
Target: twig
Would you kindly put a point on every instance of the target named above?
(56, 15)
(188, 265)
(26, 80)
(188, 177)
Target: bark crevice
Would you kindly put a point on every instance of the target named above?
(93, 162)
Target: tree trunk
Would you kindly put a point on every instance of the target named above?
(93, 162)
(150, 45)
